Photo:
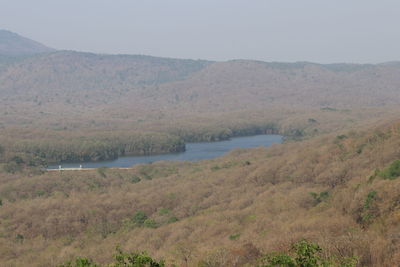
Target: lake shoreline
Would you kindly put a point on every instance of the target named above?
(193, 152)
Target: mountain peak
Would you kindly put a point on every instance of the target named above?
(12, 44)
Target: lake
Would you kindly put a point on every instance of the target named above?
(194, 152)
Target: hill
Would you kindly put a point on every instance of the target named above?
(73, 96)
(340, 191)
(12, 44)
(243, 84)
(136, 86)
(67, 89)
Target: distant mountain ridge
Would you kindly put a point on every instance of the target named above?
(12, 44)
(133, 86)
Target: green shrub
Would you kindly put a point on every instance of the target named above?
(80, 262)
(135, 260)
(139, 218)
(19, 238)
(215, 168)
(163, 211)
(318, 198)
(392, 171)
(135, 179)
(367, 213)
(121, 259)
(278, 260)
(172, 219)
(234, 237)
(305, 254)
(371, 195)
(40, 193)
(150, 223)
(329, 109)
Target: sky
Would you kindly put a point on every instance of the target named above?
(323, 31)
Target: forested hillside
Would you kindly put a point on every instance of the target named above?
(67, 80)
(52, 87)
(241, 84)
(83, 97)
(340, 191)
(49, 87)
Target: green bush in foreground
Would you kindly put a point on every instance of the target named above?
(304, 254)
(121, 259)
(135, 260)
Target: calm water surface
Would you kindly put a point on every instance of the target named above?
(194, 152)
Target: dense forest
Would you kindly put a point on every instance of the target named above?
(84, 149)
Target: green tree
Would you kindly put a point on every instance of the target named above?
(123, 259)
(139, 218)
(304, 254)
(307, 254)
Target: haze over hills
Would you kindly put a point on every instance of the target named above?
(65, 82)
(76, 90)
(61, 90)
(77, 96)
(84, 78)
(68, 80)
(12, 44)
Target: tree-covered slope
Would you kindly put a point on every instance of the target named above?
(333, 190)
(139, 86)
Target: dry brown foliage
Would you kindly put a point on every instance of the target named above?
(226, 211)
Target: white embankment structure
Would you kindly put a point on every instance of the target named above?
(60, 168)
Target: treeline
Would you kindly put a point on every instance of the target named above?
(38, 149)
(99, 148)
(224, 132)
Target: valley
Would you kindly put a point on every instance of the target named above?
(328, 172)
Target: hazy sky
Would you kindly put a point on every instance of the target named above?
(271, 30)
